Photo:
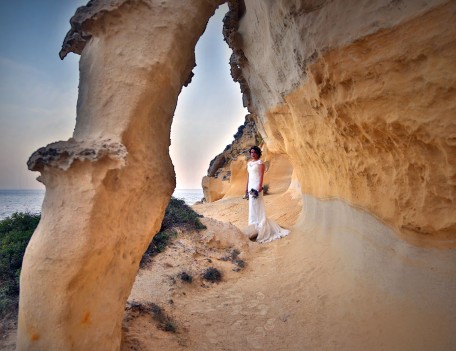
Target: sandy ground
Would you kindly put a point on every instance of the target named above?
(341, 280)
(200, 309)
(321, 288)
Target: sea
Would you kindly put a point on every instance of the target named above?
(30, 200)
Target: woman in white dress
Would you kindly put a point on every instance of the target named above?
(266, 229)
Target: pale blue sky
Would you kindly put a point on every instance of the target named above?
(38, 93)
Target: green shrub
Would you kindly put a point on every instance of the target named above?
(177, 214)
(265, 189)
(15, 233)
(160, 241)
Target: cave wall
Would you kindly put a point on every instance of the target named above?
(108, 186)
(361, 97)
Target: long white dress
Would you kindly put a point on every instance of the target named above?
(267, 229)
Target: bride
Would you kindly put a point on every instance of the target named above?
(266, 229)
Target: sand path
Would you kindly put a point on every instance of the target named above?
(303, 292)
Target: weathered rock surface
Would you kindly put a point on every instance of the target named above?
(108, 186)
(361, 97)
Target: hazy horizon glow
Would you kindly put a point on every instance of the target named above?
(38, 94)
(209, 111)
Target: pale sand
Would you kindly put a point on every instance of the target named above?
(340, 281)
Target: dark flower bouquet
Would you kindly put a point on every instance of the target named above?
(254, 193)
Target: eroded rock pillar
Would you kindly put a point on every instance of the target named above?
(108, 186)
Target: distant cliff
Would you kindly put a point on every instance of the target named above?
(227, 173)
(217, 182)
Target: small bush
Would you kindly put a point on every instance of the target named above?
(212, 274)
(239, 263)
(234, 254)
(15, 233)
(265, 189)
(185, 277)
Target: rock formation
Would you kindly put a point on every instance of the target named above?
(357, 96)
(361, 97)
(107, 188)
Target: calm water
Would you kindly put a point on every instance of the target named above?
(31, 200)
(20, 201)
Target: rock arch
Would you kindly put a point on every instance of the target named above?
(359, 95)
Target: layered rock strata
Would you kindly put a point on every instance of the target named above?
(361, 97)
(108, 186)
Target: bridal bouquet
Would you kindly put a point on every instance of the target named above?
(253, 193)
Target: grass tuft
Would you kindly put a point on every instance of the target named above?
(239, 263)
(212, 274)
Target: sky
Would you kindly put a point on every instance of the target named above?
(38, 93)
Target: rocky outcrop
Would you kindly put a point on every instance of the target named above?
(361, 98)
(246, 136)
(217, 183)
(107, 188)
(227, 173)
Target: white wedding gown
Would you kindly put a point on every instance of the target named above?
(267, 229)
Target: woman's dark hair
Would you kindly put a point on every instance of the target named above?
(257, 150)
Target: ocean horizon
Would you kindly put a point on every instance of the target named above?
(31, 200)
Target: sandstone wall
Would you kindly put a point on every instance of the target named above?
(361, 97)
(108, 186)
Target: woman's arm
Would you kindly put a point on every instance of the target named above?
(261, 177)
